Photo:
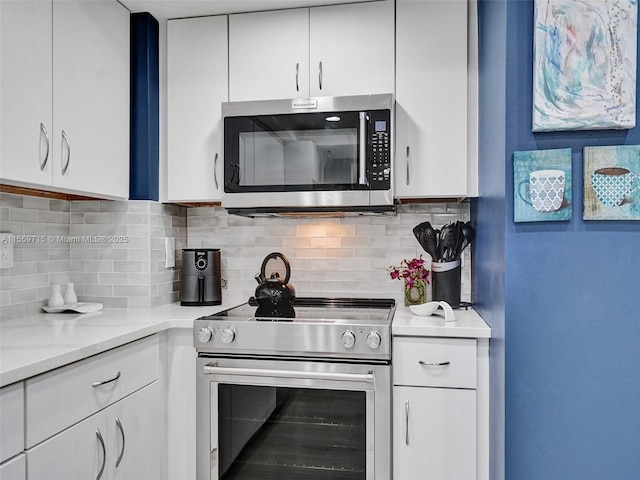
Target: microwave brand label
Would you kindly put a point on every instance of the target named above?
(304, 103)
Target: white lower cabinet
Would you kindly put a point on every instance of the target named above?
(120, 442)
(439, 423)
(434, 433)
(99, 418)
(14, 469)
(11, 421)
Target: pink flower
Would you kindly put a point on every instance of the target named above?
(410, 271)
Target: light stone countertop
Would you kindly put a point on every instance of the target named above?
(46, 341)
(468, 324)
(42, 342)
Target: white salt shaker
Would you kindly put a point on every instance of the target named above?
(70, 298)
(55, 297)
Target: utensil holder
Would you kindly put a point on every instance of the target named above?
(445, 278)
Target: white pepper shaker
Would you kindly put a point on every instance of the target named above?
(70, 298)
(55, 297)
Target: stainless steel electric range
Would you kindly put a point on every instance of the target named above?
(305, 396)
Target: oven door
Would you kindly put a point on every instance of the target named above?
(273, 419)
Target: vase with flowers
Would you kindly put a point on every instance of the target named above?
(415, 276)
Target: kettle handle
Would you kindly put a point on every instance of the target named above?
(272, 256)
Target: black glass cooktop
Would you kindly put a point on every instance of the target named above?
(314, 309)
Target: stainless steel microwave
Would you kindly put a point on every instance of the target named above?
(325, 155)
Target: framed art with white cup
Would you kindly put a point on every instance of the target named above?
(542, 185)
(612, 183)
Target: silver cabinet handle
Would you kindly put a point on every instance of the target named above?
(215, 170)
(408, 163)
(434, 364)
(297, 76)
(362, 161)
(214, 369)
(43, 132)
(104, 454)
(104, 382)
(119, 425)
(66, 140)
(320, 75)
(406, 422)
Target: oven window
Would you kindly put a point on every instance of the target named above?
(277, 433)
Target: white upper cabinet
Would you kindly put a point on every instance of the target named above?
(351, 49)
(197, 83)
(91, 97)
(25, 92)
(269, 55)
(79, 96)
(319, 51)
(431, 100)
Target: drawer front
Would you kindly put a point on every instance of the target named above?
(434, 362)
(15, 469)
(11, 421)
(63, 397)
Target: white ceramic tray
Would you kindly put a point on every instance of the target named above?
(80, 307)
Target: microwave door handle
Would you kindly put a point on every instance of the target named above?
(362, 142)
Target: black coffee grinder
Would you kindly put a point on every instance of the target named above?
(201, 283)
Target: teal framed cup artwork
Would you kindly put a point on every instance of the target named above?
(612, 183)
(542, 185)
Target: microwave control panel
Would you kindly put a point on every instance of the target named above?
(380, 165)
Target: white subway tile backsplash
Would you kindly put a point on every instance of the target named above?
(86, 242)
(348, 256)
(125, 268)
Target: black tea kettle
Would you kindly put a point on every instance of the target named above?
(275, 295)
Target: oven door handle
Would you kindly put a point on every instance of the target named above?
(214, 369)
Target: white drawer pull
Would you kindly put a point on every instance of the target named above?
(104, 382)
(434, 364)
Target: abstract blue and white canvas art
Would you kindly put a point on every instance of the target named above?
(612, 183)
(542, 185)
(584, 74)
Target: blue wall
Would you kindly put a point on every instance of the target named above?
(145, 104)
(488, 211)
(571, 300)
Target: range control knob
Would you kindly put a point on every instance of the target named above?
(228, 335)
(205, 335)
(374, 340)
(348, 339)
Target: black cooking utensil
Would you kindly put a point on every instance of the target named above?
(469, 234)
(447, 242)
(427, 238)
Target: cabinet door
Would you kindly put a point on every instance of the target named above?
(11, 420)
(197, 83)
(77, 453)
(351, 49)
(269, 55)
(25, 92)
(135, 433)
(123, 441)
(14, 469)
(91, 97)
(431, 99)
(434, 431)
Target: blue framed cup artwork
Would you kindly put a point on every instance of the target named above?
(542, 185)
(612, 183)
